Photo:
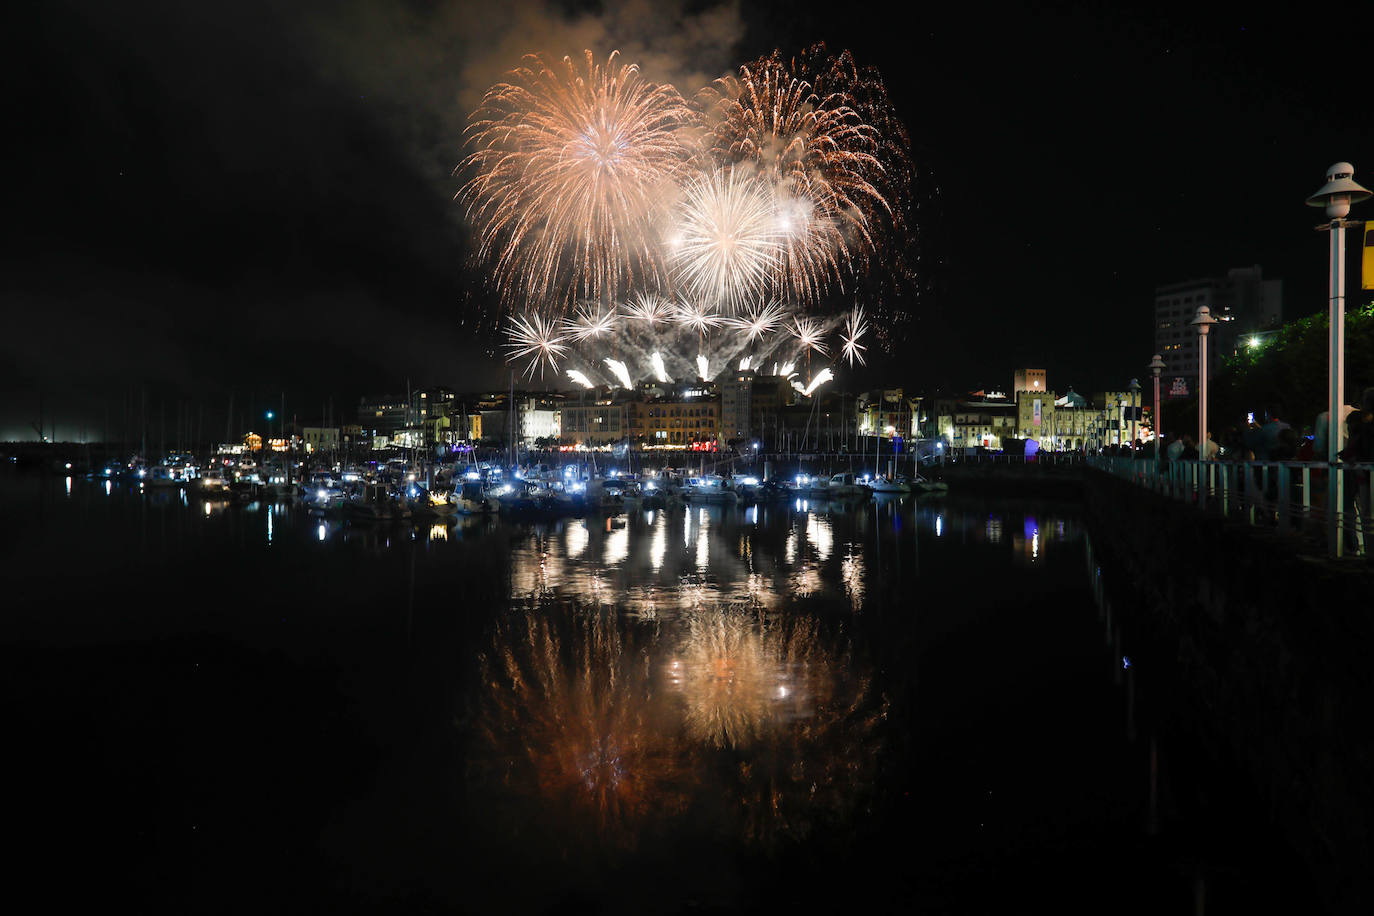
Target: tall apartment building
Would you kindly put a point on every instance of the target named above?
(1243, 302)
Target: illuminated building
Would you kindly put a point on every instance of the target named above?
(1243, 302)
(689, 416)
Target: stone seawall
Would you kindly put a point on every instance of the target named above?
(1270, 661)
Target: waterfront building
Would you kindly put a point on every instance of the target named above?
(1029, 380)
(886, 412)
(979, 419)
(1244, 304)
(595, 420)
(749, 404)
(321, 438)
(689, 417)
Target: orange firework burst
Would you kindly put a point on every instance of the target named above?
(570, 161)
(806, 132)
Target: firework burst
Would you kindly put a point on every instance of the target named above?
(726, 249)
(649, 308)
(700, 318)
(537, 338)
(809, 334)
(854, 327)
(569, 163)
(818, 153)
(759, 322)
(590, 323)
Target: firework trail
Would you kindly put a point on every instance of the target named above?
(570, 161)
(727, 248)
(580, 378)
(744, 363)
(620, 371)
(821, 378)
(538, 339)
(703, 364)
(660, 372)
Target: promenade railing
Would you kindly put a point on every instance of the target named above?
(1291, 498)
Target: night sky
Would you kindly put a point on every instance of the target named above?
(255, 200)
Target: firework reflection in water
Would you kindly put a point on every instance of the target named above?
(606, 722)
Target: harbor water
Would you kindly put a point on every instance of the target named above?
(906, 704)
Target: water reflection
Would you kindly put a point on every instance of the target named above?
(622, 724)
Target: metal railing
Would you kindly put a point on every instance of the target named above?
(1291, 498)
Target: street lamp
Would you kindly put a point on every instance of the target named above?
(1157, 366)
(1203, 321)
(1135, 412)
(1336, 196)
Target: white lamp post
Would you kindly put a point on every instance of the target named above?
(1135, 413)
(1203, 321)
(1157, 366)
(1336, 196)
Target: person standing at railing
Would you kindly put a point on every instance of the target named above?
(1210, 450)
(1174, 451)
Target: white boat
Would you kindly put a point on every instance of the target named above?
(890, 485)
(215, 482)
(711, 489)
(840, 486)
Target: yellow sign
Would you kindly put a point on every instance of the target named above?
(1367, 269)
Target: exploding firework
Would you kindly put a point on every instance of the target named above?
(759, 322)
(726, 249)
(649, 308)
(822, 156)
(537, 338)
(808, 332)
(569, 164)
(854, 328)
(699, 318)
(590, 323)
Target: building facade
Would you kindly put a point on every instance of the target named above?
(1242, 302)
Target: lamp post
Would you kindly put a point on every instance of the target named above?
(1336, 196)
(1157, 366)
(1203, 321)
(1135, 413)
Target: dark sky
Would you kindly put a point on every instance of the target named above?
(251, 199)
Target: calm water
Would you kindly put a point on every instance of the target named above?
(897, 705)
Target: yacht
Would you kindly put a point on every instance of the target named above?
(711, 488)
(890, 485)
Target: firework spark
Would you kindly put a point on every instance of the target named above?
(537, 338)
(621, 372)
(590, 323)
(808, 332)
(703, 364)
(570, 160)
(727, 248)
(760, 322)
(580, 378)
(854, 328)
(745, 363)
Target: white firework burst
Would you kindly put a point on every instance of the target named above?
(649, 308)
(727, 249)
(759, 322)
(808, 333)
(590, 323)
(537, 338)
(700, 318)
(854, 327)
(580, 378)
